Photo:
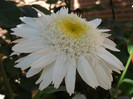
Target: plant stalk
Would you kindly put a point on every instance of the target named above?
(9, 91)
(122, 76)
(113, 12)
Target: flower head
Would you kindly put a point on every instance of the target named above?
(61, 43)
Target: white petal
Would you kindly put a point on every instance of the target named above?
(46, 77)
(86, 72)
(95, 22)
(113, 68)
(35, 22)
(33, 71)
(107, 70)
(14, 53)
(28, 46)
(108, 59)
(109, 66)
(104, 30)
(46, 72)
(42, 14)
(105, 35)
(42, 51)
(26, 62)
(111, 47)
(109, 42)
(37, 53)
(19, 40)
(70, 77)
(114, 58)
(102, 77)
(91, 59)
(111, 59)
(45, 60)
(20, 59)
(27, 31)
(60, 69)
(63, 10)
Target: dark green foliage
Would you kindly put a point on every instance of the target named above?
(42, 9)
(11, 71)
(9, 14)
(48, 90)
(108, 5)
(51, 1)
(127, 84)
(28, 11)
(94, 7)
(98, 93)
(28, 83)
(22, 94)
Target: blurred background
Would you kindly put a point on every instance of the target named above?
(117, 15)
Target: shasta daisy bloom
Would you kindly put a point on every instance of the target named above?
(61, 43)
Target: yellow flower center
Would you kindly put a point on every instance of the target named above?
(73, 27)
(72, 34)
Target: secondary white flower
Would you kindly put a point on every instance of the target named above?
(2, 96)
(79, 96)
(59, 44)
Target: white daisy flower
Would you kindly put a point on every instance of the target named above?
(61, 43)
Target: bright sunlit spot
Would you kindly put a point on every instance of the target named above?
(76, 4)
(98, 2)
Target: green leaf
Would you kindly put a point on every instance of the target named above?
(108, 5)
(9, 14)
(10, 69)
(126, 88)
(129, 24)
(94, 7)
(42, 9)
(22, 94)
(50, 96)
(126, 80)
(51, 1)
(28, 83)
(2, 1)
(28, 11)
(48, 90)
(130, 48)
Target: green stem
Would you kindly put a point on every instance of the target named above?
(122, 76)
(10, 93)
